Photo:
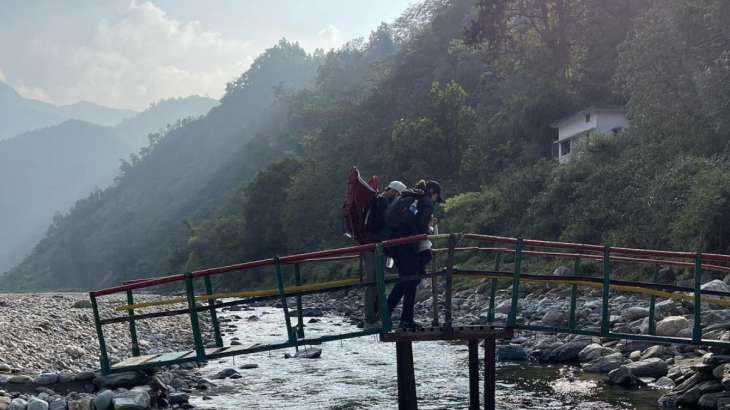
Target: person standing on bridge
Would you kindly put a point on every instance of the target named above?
(377, 232)
(411, 215)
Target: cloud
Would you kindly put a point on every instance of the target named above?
(139, 56)
(330, 37)
(2, 76)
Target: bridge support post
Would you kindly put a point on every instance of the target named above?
(697, 305)
(652, 303)
(406, 376)
(473, 374)
(449, 280)
(512, 315)
(282, 294)
(490, 373)
(605, 324)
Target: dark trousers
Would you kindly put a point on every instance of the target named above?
(408, 262)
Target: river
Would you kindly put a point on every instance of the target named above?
(360, 374)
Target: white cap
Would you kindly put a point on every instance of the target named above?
(397, 186)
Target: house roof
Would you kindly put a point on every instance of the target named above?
(591, 109)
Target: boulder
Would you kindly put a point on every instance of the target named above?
(46, 379)
(506, 353)
(20, 379)
(58, 404)
(503, 307)
(666, 275)
(721, 371)
(634, 313)
(635, 356)
(657, 351)
(18, 404)
(131, 400)
(671, 326)
(37, 404)
(225, 373)
(122, 379)
(594, 351)
(178, 398)
(653, 367)
(693, 394)
(709, 400)
(566, 352)
(554, 317)
(309, 312)
(311, 353)
(248, 366)
(82, 304)
(664, 383)
(714, 359)
(74, 351)
(622, 376)
(103, 400)
(716, 285)
(84, 403)
(562, 271)
(604, 364)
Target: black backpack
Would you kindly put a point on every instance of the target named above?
(401, 218)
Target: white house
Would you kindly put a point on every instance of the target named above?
(594, 120)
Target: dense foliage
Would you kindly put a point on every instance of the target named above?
(460, 91)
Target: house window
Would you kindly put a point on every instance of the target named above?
(565, 147)
(588, 117)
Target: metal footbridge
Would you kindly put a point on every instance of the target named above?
(504, 262)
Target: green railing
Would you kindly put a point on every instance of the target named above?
(519, 249)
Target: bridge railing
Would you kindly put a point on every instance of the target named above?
(502, 247)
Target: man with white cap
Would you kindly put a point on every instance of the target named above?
(375, 225)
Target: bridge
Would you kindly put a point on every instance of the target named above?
(200, 298)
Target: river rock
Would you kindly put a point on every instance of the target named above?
(665, 383)
(103, 400)
(131, 400)
(122, 379)
(82, 304)
(715, 359)
(692, 395)
(18, 404)
(635, 356)
(634, 313)
(37, 404)
(653, 367)
(311, 353)
(604, 364)
(20, 379)
(4, 402)
(225, 373)
(74, 351)
(84, 403)
(657, 351)
(566, 352)
(178, 398)
(716, 285)
(503, 307)
(623, 376)
(709, 400)
(248, 366)
(46, 378)
(562, 271)
(511, 353)
(58, 404)
(594, 351)
(671, 326)
(554, 317)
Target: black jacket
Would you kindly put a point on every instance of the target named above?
(413, 226)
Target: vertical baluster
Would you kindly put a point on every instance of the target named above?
(449, 280)
(287, 319)
(213, 313)
(573, 295)
(493, 288)
(652, 303)
(105, 366)
(605, 322)
(512, 317)
(132, 324)
(697, 328)
(193, 310)
(380, 283)
(298, 282)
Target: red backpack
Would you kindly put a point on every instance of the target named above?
(358, 198)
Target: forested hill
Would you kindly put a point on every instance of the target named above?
(459, 91)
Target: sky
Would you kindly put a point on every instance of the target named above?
(130, 53)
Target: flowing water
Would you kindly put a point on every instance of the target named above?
(360, 374)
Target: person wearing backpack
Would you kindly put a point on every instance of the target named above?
(375, 227)
(411, 215)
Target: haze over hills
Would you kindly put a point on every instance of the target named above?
(19, 114)
(47, 170)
